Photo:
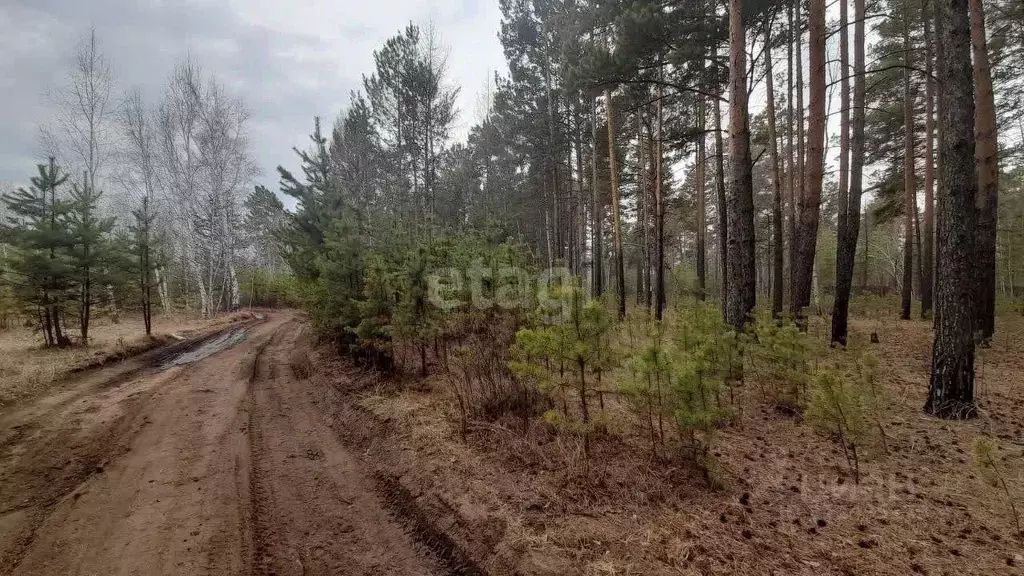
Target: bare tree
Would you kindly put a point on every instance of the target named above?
(139, 157)
(178, 125)
(205, 163)
(225, 170)
(81, 134)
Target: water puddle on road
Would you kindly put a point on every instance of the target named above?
(207, 348)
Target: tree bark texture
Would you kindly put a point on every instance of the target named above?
(810, 202)
(986, 156)
(909, 187)
(741, 273)
(773, 143)
(951, 389)
(846, 246)
(928, 233)
(620, 271)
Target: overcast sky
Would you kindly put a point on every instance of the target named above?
(288, 59)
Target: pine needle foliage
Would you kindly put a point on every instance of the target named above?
(841, 409)
(559, 353)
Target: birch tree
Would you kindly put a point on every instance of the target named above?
(139, 158)
(205, 163)
(81, 134)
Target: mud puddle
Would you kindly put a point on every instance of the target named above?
(206, 348)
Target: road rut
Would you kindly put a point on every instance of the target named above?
(224, 466)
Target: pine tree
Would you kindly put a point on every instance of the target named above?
(37, 220)
(846, 246)
(264, 223)
(740, 271)
(810, 201)
(951, 390)
(987, 157)
(909, 187)
(142, 231)
(620, 272)
(317, 204)
(773, 147)
(90, 253)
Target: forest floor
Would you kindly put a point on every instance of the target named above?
(531, 504)
(251, 451)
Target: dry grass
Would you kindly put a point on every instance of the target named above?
(27, 369)
(530, 504)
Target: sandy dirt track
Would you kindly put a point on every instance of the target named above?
(223, 466)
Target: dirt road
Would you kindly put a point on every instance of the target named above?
(225, 465)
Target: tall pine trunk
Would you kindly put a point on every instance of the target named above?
(791, 177)
(909, 188)
(940, 60)
(801, 137)
(987, 201)
(701, 177)
(723, 219)
(842, 217)
(620, 271)
(597, 270)
(951, 389)
(778, 258)
(741, 273)
(810, 201)
(849, 230)
(643, 218)
(659, 208)
(580, 211)
(928, 240)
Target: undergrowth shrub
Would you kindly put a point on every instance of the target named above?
(986, 459)
(373, 333)
(651, 373)
(679, 379)
(842, 409)
(376, 301)
(564, 347)
(781, 358)
(478, 374)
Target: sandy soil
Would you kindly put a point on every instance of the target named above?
(223, 466)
